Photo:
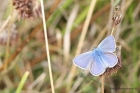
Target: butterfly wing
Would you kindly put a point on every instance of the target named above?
(97, 67)
(108, 44)
(83, 60)
(108, 59)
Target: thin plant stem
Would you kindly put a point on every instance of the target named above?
(47, 46)
(7, 47)
(112, 31)
(82, 37)
(9, 34)
(5, 23)
(24, 78)
(102, 82)
(94, 17)
(102, 78)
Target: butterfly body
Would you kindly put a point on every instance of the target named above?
(97, 53)
(98, 59)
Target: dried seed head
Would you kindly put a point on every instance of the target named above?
(110, 71)
(8, 31)
(27, 8)
(117, 16)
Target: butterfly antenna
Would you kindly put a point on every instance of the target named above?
(93, 48)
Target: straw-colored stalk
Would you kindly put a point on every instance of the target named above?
(47, 46)
(112, 31)
(82, 37)
(102, 81)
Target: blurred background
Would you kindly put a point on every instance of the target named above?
(22, 46)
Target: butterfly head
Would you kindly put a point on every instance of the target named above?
(94, 48)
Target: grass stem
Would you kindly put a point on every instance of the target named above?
(102, 82)
(82, 37)
(112, 31)
(47, 46)
(24, 78)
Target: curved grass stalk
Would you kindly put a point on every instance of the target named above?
(24, 78)
(82, 37)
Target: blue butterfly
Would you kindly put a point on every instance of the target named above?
(100, 58)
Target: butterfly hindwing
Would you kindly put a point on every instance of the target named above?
(83, 60)
(109, 59)
(97, 67)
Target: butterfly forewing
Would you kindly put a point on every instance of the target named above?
(83, 60)
(108, 44)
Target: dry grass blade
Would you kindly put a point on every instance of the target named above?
(102, 82)
(83, 34)
(5, 23)
(94, 17)
(67, 40)
(37, 81)
(47, 48)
